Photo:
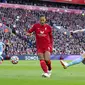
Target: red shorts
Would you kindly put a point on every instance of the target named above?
(44, 49)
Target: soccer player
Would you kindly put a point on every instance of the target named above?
(2, 47)
(76, 61)
(44, 43)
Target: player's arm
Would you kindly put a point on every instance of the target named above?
(30, 31)
(51, 37)
(77, 31)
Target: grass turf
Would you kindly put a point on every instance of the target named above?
(29, 73)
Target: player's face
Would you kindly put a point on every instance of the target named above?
(42, 20)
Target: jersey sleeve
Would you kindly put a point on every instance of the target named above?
(31, 29)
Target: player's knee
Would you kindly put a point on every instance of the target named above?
(40, 56)
(47, 58)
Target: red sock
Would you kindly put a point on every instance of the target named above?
(48, 63)
(43, 66)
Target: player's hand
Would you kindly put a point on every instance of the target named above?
(29, 34)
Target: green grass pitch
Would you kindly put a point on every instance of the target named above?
(29, 73)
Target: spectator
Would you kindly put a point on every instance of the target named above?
(21, 19)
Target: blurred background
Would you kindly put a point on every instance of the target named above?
(22, 14)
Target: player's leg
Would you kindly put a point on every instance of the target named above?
(74, 62)
(42, 62)
(48, 61)
(43, 65)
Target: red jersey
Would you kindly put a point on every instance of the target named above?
(43, 35)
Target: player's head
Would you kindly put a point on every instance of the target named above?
(42, 19)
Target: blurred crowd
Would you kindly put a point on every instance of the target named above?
(47, 4)
(21, 20)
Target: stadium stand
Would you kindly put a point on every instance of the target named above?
(21, 19)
